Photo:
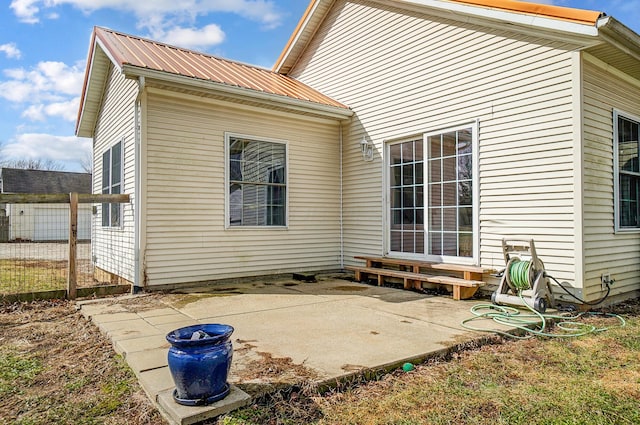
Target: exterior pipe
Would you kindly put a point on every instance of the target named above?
(138, 282)
(341, 203)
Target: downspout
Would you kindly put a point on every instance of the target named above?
(138, 280)
(341, 206)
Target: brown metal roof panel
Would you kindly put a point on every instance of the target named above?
(144, 53)
(169, 60)
(229, 74)
(155, 56)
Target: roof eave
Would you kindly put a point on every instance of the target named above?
(582, 31)
(463, 10)
(327, 111)
(303, 26)
(620, 36)
(85, 123)
(85, 84)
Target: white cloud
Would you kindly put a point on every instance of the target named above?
(25, 10)
(11, 50)
(193, 38)
(169, 12)
(65, 149)
(67, 110)
(46, 82)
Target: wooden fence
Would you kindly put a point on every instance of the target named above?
(72, 199)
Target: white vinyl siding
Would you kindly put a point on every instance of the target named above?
(187, 239)
(405, 73)
(608, 252)
(112, 247)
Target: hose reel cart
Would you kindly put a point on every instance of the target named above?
(524, 281)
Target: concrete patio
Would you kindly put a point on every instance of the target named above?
(286, 332)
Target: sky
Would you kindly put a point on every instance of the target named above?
(44, 46)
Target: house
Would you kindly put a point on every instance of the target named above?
(44, 222)
(424, 129)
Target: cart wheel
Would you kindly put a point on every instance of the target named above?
(540, 305)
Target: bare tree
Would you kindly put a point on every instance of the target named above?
(33, 164)
(87, 162)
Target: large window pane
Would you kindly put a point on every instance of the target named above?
(106, 171)
(406, 195)
(257, 183)
(627, 147)
(629, 194)
(451, 202)
(116, 164)
(112, 184)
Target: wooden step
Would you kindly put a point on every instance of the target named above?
(423, 264)
(462, 288)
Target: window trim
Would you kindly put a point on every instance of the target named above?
(227, 221)
(110, 150)
(474, 126)
(616, 172)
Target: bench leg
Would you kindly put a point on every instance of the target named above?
(416, 283)
(463, 292)
(380, 280)
(472, 276)
(407, 283)
(357, 276)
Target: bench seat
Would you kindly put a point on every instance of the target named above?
(462, 288)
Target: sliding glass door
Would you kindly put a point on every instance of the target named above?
(431, 195)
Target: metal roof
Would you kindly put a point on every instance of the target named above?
(16, 180)
(558, 12)
(148, 54)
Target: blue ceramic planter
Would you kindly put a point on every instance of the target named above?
(200, 364)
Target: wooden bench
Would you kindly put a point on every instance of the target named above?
(463, 287)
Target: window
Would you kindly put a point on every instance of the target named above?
(112, 184)
(257, 186)
(407, 196)
(627, 171)
(431, 195)
(450, 188)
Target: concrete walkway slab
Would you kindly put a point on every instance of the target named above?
(186, 415)
(286, 332)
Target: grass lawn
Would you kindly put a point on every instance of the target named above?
(593, 379)
(19, 276)
(56, 367)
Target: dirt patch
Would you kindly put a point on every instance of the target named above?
(275, 367)
(67, 371)
(263, 367)
(179, 301)
(349, 288)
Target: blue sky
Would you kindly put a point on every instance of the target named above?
(44, 44)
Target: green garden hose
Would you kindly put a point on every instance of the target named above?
(534, 323)
(519, 272)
